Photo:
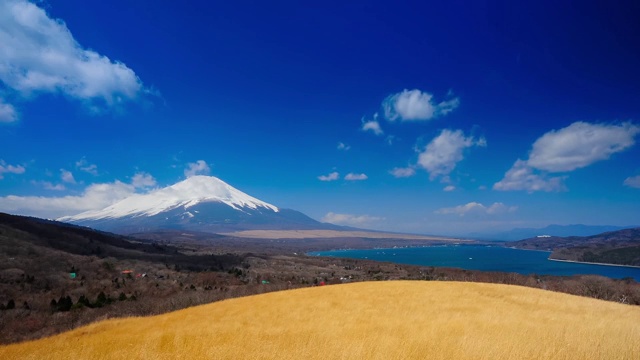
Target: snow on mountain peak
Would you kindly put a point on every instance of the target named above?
(194, 190)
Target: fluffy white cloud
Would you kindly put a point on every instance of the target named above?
(449, 188)
(352, 220)
(10, 169)
(83, 165)
(633, 181)
(7, 112)
(331, 177)
(67, 176)
(415, 105)
(143, 180)
(579, 145)
(522, 177)
(442, 154)
(573, 147)
(355, 177)
(403, 172)
(94, 197)
(373, 126)
(343, 146)
(39, 54)
(477, 208)
(199, 167)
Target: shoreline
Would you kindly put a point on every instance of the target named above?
(594, 263)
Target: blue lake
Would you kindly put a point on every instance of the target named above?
(487, 258)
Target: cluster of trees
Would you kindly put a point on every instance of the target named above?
(11, 304)
(65, 303)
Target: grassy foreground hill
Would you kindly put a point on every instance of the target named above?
(370, 320)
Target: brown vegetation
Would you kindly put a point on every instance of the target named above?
(371, 320)
(621, 247)
(34, 272)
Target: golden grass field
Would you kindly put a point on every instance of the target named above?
(372, 320)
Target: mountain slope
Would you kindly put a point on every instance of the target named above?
(199, 203)
(553, 230)
(620, 247)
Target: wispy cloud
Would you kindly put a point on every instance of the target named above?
(83, 165)
(445, 151)
(344, 147)
(415, 105)
(559, 151)
(632, 181)
(7, 112)
(143, 180)
(10, 169)
(522, 177)
(40, 55)
(449, 188)
(331, 177)
(49, 185)
(403, 172)
(352, 220)
(372, 125)
(67, 176)
(199, 167)
(355, 177)
(477, 208)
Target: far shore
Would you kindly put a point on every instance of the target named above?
(594, 263)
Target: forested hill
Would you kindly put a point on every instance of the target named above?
(621, 247)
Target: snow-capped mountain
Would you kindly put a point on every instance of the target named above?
(199, 203)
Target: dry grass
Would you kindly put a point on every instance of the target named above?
(374, 320)
(328, 234)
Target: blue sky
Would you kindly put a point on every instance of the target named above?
(423, 117)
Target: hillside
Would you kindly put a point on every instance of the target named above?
(620, 247)
(374, 320)
(553, 230)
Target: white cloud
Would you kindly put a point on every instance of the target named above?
(199, 167)
(355, 177)
(442, 154)
(478, 209)
(49, 186)
(38, 54)
(403, 172)
(579, 145)
(143, 180)
(633, 181)
(373, 126)
(343, 146)
(449, 188)
(522, 177)
(331, 177)
(352, 220)
(415, 105)
(67, 176)
(83, 165)
(573, 147)
(94, 197)
(10, 169)
(7, 112)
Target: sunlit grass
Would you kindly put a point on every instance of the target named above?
(373, 320)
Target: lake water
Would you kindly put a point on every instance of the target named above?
(487, 258)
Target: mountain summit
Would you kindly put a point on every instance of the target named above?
(199, 203)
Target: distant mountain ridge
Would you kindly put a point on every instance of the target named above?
(552, 230)
(199, 203)
(621, 247)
